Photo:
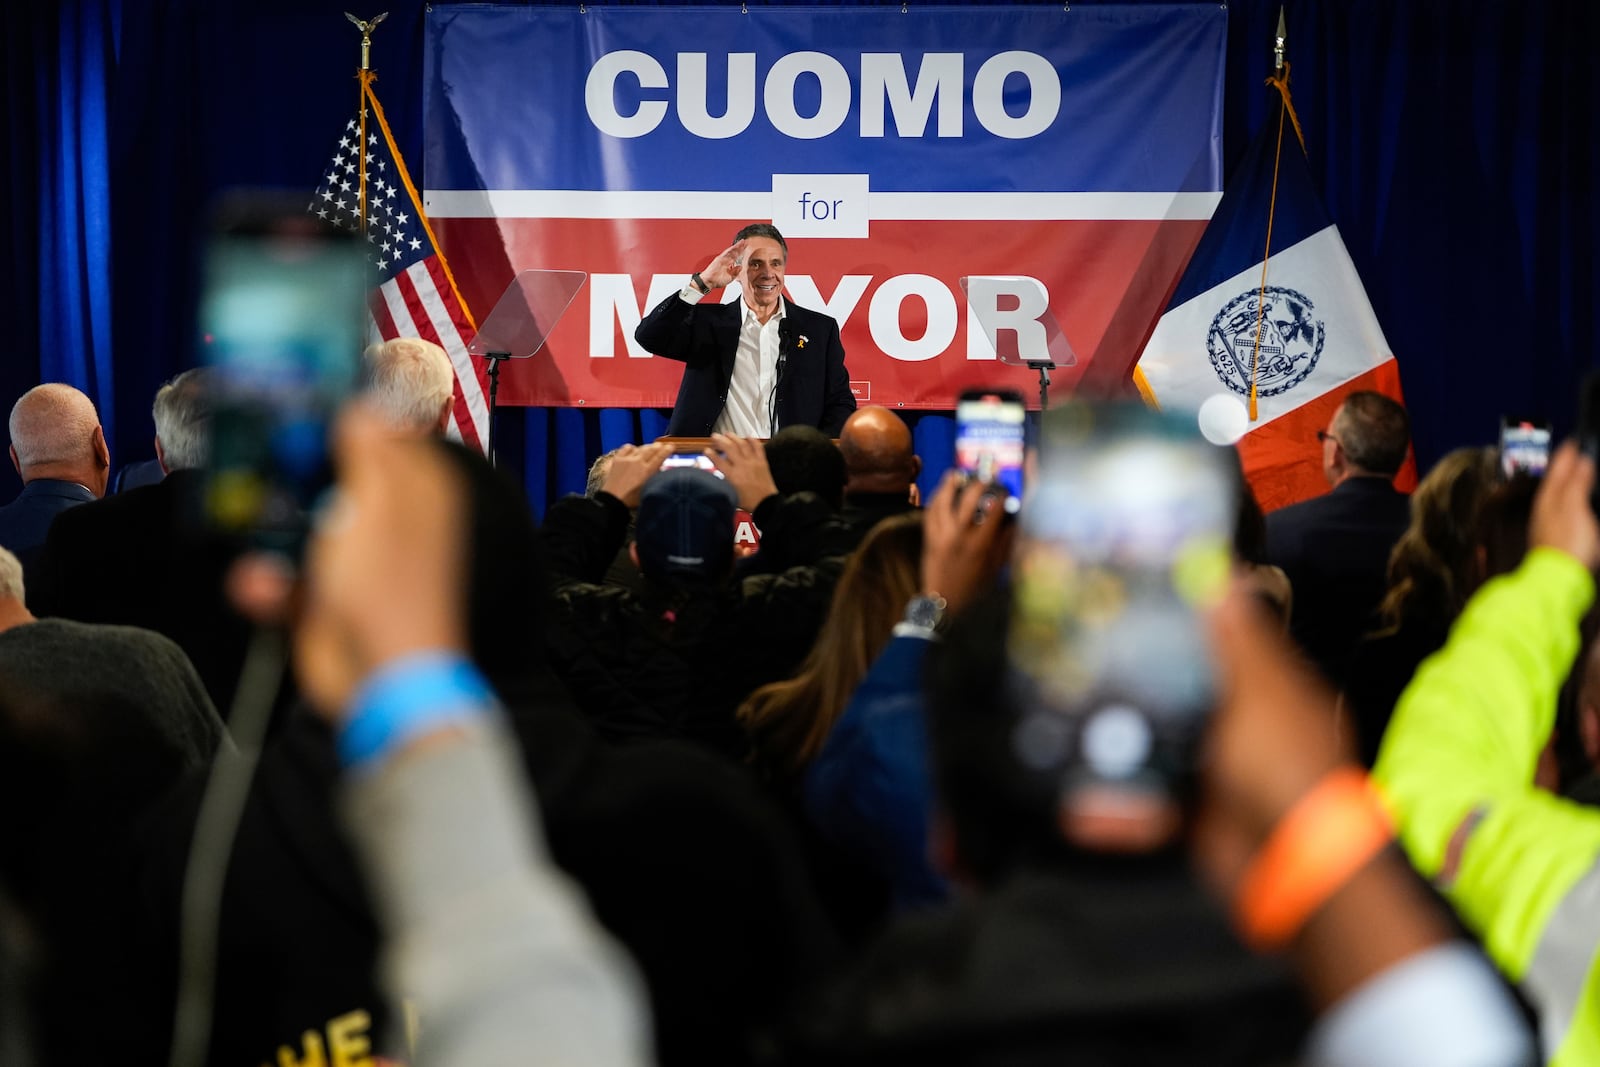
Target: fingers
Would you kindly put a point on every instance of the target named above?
(728, 265)
(363, 446)
(743, 461)
(735, 450)
(964, 540)
(1571, 476)
(1563, 517)
(632, 467)
(940, 513)
(654, 454)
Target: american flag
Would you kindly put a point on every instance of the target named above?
(418, 297)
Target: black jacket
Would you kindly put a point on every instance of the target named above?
(139, 558)
(814, 387)
(1335, 550)
(675, 661)
(1119, 961)
(26, 520)
(678, 854)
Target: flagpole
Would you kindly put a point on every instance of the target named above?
(1280, 82)
(365, 77)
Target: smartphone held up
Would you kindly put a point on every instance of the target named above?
(990, 440)
(1124, 544)
(281, 323)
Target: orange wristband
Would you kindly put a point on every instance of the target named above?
(1318, 846)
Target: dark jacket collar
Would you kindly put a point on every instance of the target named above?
(56, 487)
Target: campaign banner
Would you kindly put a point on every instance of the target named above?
(1068, 157)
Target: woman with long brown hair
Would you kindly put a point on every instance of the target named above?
(788, 721)
(1433, 569)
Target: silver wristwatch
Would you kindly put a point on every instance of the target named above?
(924, 615)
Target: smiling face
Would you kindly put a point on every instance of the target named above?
(762, 276)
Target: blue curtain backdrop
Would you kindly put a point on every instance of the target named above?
(1454, 145)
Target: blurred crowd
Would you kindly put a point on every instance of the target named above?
(618, 787)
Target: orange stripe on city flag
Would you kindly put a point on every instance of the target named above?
(1283, 459)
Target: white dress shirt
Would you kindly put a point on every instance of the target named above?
(755, 374)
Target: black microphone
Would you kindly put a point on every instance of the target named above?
(785, 339)
(785, 344)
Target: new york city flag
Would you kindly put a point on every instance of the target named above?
(1319, 340)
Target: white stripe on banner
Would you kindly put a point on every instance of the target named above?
(935, 207)
(1337, 327)
(450, 338)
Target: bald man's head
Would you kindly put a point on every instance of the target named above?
(877, 452)
(55, 433)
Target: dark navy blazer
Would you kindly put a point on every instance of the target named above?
(1335, 550)
(25, 521)
(814, 389)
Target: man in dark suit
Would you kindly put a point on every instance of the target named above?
(59, 450)
(881, 467)
(138, 558)
(1335, 548)
(755, 365)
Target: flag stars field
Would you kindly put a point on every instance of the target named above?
(415, 296)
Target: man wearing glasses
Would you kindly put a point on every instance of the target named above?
(1335, 547)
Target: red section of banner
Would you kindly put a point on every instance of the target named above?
(1283, 459)
(897, 294)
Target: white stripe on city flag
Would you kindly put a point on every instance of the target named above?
(941, 207)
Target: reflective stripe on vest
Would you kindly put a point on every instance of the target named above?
(1563, 959)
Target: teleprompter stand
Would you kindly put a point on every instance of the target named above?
(1015, 314)
(524, 316)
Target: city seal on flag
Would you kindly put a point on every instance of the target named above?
(1291, 340)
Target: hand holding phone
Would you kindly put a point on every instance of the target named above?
(990, 431)
(1124, 544)
(1524, 447)
(281, 322)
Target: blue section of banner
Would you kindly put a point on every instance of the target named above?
(1098, 98)
(1236, 237)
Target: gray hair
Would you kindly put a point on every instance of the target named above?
(763, 229)
(52, 423)
(182, 414)
(409, 380)
(10, 576)
(597, 473)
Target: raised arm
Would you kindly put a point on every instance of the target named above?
(498, 950)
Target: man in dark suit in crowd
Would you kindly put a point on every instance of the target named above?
(880, 476)
(1335, 548)
(755, 365)
(137, 558)
(59, 450)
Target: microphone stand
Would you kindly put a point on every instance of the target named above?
(495, 359)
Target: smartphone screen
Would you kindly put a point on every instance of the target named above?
(990, 428)
(281, 316)
(1524, 447)
(1124, 544)
(691, 459)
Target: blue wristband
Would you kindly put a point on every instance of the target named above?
(409, 697)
